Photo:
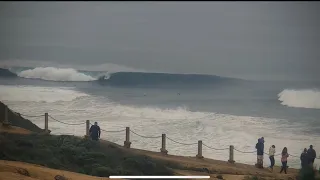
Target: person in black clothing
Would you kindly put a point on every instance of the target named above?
(311, 155)
(95, 132)
(304, 158)
(260, 151)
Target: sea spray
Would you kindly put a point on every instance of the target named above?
(307, 98)
(55, 74)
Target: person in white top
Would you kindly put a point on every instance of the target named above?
(272, 151)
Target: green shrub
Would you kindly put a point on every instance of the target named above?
(78, 155)
(307, 173)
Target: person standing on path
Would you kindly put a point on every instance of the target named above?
(304, 158)
(260, 151)
(95, 132)
(272, 151)
(284, 160)
(311, 155)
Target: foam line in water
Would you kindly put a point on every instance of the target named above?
(55, 74)
(38, 94)
(307, 98)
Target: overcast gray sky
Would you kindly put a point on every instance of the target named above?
(267, 40)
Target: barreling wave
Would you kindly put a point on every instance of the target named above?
(7, 73)
(307, 98)
(120, 78)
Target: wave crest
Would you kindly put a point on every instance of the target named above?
(307, 98)
(122, 78)
(55, 74)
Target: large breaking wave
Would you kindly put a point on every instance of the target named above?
(300, 98)
(55, 74)
(120, 78)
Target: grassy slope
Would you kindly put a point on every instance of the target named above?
(16, 120)
(77, 155)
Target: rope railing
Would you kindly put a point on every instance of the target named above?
(149, 137)
(274, 155)
(214, 148)
(164, 137)
(109, 131)
(25, 115)
(185, 144)
(294, 156)
(244, 151)
(72, 124)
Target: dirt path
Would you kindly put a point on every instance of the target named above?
(10, 170)
(215, 167)
(14, 129)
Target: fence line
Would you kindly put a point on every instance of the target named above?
(127, 143)
(109, 131)
(185, 144)
(150, 137)
(214, 148)
(245, 152)
(72, 124)
(29, 116)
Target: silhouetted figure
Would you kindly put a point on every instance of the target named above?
(260, 151)
(284, 160)
(311, 155)
(272, 151)
(304, 158)
(95, 132)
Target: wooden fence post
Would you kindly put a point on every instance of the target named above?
(46, 125)
(127, 142)
(231, 158)
(87, 128)
(199, 155)
(6, 117)
(163, 145)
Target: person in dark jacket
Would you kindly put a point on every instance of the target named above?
(260, 152)
(304, 158)
(311, 155)
(95, 132)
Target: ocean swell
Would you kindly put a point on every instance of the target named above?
(143, 78)
(121, 78)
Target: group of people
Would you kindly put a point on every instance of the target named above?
(307, 157)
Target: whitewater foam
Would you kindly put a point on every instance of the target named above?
(180, 124)
(307, 98)
(55, 74)
(38, 94)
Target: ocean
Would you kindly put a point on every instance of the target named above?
(220, 111)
